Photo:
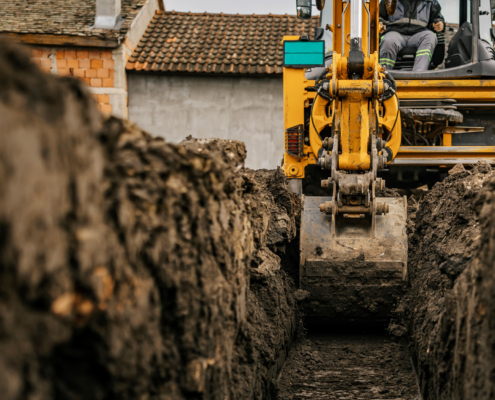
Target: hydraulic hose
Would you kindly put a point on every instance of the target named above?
(392, 113)
(394, 139)
(321, 76)
(391, 91)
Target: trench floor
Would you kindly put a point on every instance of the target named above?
(348, 366)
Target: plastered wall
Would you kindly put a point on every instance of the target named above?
(249, 109)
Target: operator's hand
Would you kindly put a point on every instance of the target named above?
(383, 28)
(439, 26)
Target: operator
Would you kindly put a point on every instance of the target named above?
(412, 25)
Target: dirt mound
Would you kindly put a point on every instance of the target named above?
(131, 268)
(445, 272)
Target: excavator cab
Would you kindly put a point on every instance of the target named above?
(460, 32)
(351, 126)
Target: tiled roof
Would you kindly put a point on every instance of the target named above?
(61, 17)
(216, 43)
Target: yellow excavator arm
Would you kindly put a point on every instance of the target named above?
(345, 122)
(344, 134)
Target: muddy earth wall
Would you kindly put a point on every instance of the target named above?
(130, 268)
(450, 309)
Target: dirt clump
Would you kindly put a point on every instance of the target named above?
(231, 152)
(132, 268)
(452, 282)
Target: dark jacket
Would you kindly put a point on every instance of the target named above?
(412, 16)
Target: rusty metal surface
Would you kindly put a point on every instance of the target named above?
(456, 130)
(352, 276)
(441, 162)
(443, 155)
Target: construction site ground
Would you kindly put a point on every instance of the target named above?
(131, 268)
(349, 365)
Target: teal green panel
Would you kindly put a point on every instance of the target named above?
(304, 54)
(304, 59)
(304, 47)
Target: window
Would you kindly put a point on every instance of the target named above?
(327, 18)
(450, 10)
(486, 21)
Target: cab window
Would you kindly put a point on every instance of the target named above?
(486, 20)
(450, 10)
(326, 18)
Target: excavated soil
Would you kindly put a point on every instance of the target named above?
(448, 313)
(131, 268)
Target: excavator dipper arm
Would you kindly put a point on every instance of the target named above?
(354, 244)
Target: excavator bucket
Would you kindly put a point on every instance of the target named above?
(353, 269)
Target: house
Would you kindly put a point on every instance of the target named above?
(174, 74)
(91, 40)
(214, 75)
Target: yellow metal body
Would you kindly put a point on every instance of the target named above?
(296, 99)
(354, 113)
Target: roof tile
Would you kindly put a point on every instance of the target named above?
(62, 17)
(216, 43)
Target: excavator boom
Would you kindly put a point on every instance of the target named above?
(353, 244)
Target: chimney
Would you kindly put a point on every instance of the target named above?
(108, 14)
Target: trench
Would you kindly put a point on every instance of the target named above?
(347, 359)
(170, 272)
(419, 353)
(352, 364)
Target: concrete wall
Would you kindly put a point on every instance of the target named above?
(246, 109)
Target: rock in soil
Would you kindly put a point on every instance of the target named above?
(131, 268)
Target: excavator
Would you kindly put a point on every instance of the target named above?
(352, 128)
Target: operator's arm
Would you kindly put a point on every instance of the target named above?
(383, 12)
(383, 16)
(437, 21)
